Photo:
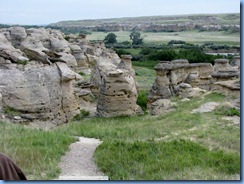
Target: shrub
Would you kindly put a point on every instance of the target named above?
(142, 100)
(82, 115)
(227, 111)
(121, 52)
(11, 112)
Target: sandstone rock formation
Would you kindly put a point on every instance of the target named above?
(228, 88)
(39, 92)
(224, 71)
(36, 83)
(118, 92)
(106, 62)
(39, 83)
(171, 74)
(179, 78)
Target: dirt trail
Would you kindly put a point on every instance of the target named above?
(78, 164)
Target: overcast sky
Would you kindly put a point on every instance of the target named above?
(50, 11)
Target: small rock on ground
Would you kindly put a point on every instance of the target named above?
(207, 107)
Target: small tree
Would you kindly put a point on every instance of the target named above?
(110, 38)
(135, 36)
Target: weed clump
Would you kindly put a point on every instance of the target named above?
(231, 111)
(82, 115)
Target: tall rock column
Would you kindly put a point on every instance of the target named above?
(118, 93)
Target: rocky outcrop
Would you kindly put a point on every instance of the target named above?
(106, 62)
(171, 74)
(118, 92)
(39, 84)
(228, 88)
(118, 95)
(36, 83)
(179, 78)
(161, 106)
(39, 92)
(223, 71)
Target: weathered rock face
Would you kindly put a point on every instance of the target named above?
(180, 78)
(39, 92)
(118, 95)
(161, 106)
(223, 71)
(35, 80)
(171, 74)
(228, 88)
(106, 62)
(118, 92)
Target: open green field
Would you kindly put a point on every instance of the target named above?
(194, 37)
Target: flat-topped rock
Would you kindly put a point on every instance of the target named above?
(129, 57)
(180, 61)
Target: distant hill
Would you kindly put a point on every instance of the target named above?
(201, 22)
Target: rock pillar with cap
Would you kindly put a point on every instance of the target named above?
(223, 71)
(118, 95)
(125, 64)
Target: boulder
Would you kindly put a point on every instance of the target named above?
(207, 107)
(17, 34)
(228, 88)
(161, 106)
(223, 71)
(39, 93)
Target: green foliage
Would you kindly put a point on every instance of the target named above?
(142, 99)
(11, 112)
(82, 115)
(135, 36)
(145, 64)
(194, 54)
(231, 111)
(66, 37)
(162, 55)
(151, 160)
(22, 62)
(86, 32)
(176, 42)
(121, 52)
(126, 43)
(110, 38)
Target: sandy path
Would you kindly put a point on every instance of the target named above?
(78, 164)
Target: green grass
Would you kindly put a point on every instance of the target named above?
(11, 112)
(176, 145)
(195, 37)
(37, 152)
(145, 76)
(228, 111)
(142, 99)
(152, 160)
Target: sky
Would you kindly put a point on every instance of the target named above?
(39, 12)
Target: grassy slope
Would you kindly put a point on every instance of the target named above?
(164, 37)
(125, 153)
